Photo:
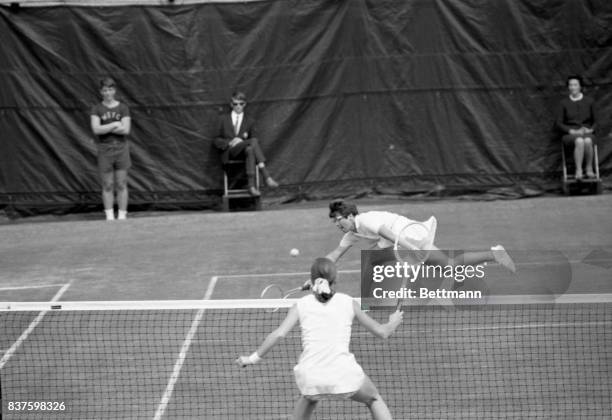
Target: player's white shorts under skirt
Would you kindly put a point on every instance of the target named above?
(339, 379)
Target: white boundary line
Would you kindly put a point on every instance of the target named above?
(24, 335)
(178, 365)
(237, 276)
(39, 286)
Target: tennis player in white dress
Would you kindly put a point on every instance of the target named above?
(326, 367)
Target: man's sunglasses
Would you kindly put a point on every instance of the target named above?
(238, 103)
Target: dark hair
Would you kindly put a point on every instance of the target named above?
(238, 95)
(107, 82)
(324, 268)
(574, 77)
(342, 208)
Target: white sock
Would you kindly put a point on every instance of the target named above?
(122, 215)
(110, 214)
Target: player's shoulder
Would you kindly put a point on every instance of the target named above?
(343, 297)
(305, 300)
(373, 217)
(311, 299)
(344, 303)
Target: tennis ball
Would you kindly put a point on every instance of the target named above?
(294, 252)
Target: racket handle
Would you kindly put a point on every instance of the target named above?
(398, 305)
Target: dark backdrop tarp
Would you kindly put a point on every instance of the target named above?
(392, 96)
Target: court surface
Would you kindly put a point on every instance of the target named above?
(562, 244)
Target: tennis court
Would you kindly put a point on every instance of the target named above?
(132, 357)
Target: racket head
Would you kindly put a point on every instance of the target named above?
(417, 254)
(414, 254)
(272, 291)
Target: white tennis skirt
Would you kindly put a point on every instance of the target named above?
(337, 378)
(422, 238)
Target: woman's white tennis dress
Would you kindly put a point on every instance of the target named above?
(326, 367)
(368, 224)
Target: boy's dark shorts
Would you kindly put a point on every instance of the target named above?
(113, 156)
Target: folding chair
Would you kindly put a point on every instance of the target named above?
(585, 185)
(236, 184)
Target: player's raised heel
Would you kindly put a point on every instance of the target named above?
(457, 284)
(502, 257)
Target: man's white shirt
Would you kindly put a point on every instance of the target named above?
(237, 120)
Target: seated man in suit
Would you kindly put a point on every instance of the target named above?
(237, 139)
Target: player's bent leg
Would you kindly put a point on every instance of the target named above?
(368, 395)
(304, 408)
(497, 253)
(438, 257)
(502, 257)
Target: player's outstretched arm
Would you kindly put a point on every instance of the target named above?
(337, 253)
(379, 330)
(270, 341)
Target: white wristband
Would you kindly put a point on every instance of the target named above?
(254, 358)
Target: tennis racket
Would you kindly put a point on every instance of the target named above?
(418, 248)
(274, 291)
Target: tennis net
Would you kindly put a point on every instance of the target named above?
(516, 357)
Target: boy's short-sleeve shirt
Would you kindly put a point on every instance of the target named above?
(108, 115)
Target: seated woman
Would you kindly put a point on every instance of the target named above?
(576, 119)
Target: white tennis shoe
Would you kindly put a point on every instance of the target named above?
(502, 257)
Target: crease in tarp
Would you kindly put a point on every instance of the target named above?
(461, 93)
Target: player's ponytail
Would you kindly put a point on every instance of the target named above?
(322, 289)
(322, 276)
